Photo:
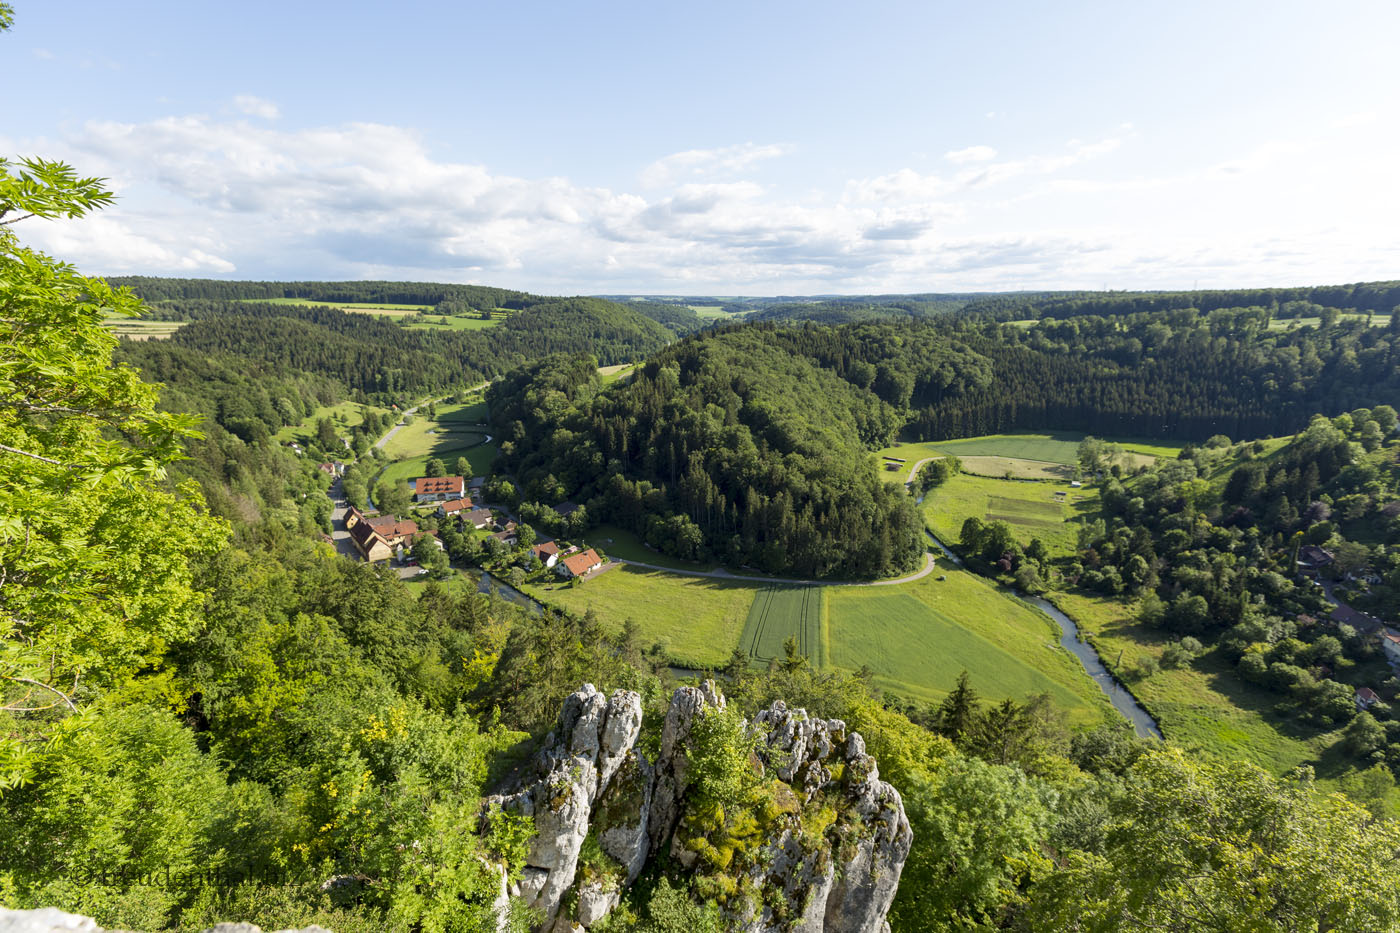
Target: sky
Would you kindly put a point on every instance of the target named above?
(755, 148)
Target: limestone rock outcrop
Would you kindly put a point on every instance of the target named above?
(832, 838)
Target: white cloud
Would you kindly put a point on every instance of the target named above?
(256, 107)
(971, 154)
(200, 195)
(706, 163)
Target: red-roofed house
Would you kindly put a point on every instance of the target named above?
(454, 507)
(1366, 698)
(438, 488)
(548, 553)
(579, 565)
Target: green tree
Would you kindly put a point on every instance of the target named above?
(1211, 846)
(435, 467)
(720, 763)
(85, 513)
(957, 714)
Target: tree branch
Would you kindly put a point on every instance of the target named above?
(16, 450)
(39, 683)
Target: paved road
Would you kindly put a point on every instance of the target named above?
(343, 545)
(722, 574)
(913, 470)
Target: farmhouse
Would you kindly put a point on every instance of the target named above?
(548, 553)
(579, 565)
(1366, 698)
(454, 507)
(437, 488)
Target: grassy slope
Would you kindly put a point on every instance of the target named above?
(919, 636)
(697, 619)
(1054, 448)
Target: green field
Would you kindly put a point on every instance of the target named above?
(455, 323)
(781, 612)
(367, 306)
(1053, 448)
(1031, 509)
(139, 329)
(613, 374)
(917, 637)
(709, 312)
(450, 430)
(1377, 320)
(696, 619)
(480, 457)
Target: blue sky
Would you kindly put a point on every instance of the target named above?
(755, 148)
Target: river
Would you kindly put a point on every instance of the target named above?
(1118, 695)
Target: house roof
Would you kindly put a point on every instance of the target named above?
(438, 485)
(545, 550)
(580, 564)
(1314, 554)
(1368, 695)
(1391, 636)
(478, 515)
(363, 534)
(566, 508)
(455, 505)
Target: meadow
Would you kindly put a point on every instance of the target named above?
(451, 429)
(781, 612)
(1061, 447)
(1031, 509)
(137, 329)
(918, 637)
(458, 322)
(698, 620)
(368, 307)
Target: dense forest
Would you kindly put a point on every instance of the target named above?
(377, 359)
(712, 450)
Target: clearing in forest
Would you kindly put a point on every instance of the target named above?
(779, 613)
(1046, 511)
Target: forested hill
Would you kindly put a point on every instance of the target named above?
(728, 445)
(154, 289)
(376, 357)
(1281, 303)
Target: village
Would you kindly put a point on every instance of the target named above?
(456, 505)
